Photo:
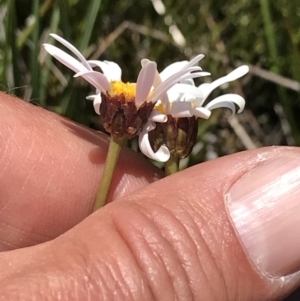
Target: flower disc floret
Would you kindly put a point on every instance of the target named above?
(127, 89)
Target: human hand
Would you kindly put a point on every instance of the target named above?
(170, 240)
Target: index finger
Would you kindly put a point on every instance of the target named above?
(51, 169)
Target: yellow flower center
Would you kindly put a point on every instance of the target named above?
(160, 107)
(127, 89)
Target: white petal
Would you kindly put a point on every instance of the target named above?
(180, 92)
(178, 66)
(157, 116)
(71, 48)
(64, 58)
(144, 62)
(227, 101)
(187, 97)
(195, 60)
(111, 70)
(171, 69)
(172, 80)
(181, 109)
(238, 72)
(193, 75)
(235, 74)
(186, 89)
(173, 96)
(188, 81)
(97, 79)
(186, 92)
(144, 82)
(97, 103)
(202, 112)
(157, 79)
(157, 82)
(162, 155)
(177, 69)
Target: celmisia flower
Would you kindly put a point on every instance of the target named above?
(124, 108)
(172, 128)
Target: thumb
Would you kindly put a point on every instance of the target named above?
(223, 230)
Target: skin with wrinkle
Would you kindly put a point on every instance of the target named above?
(153, 253)
(100, 238)
(168, 240)
(31, 201)
(196, 262)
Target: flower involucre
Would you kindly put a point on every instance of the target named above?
(124, 108)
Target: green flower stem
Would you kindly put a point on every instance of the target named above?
(114, 149)
(172, 165)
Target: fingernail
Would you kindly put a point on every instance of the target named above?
(264, 206)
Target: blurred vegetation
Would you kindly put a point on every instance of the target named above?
(263, 34)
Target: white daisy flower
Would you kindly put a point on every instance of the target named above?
(124, 108)
(185, 100)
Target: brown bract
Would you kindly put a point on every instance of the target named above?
(121, 117)
(178, 134)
